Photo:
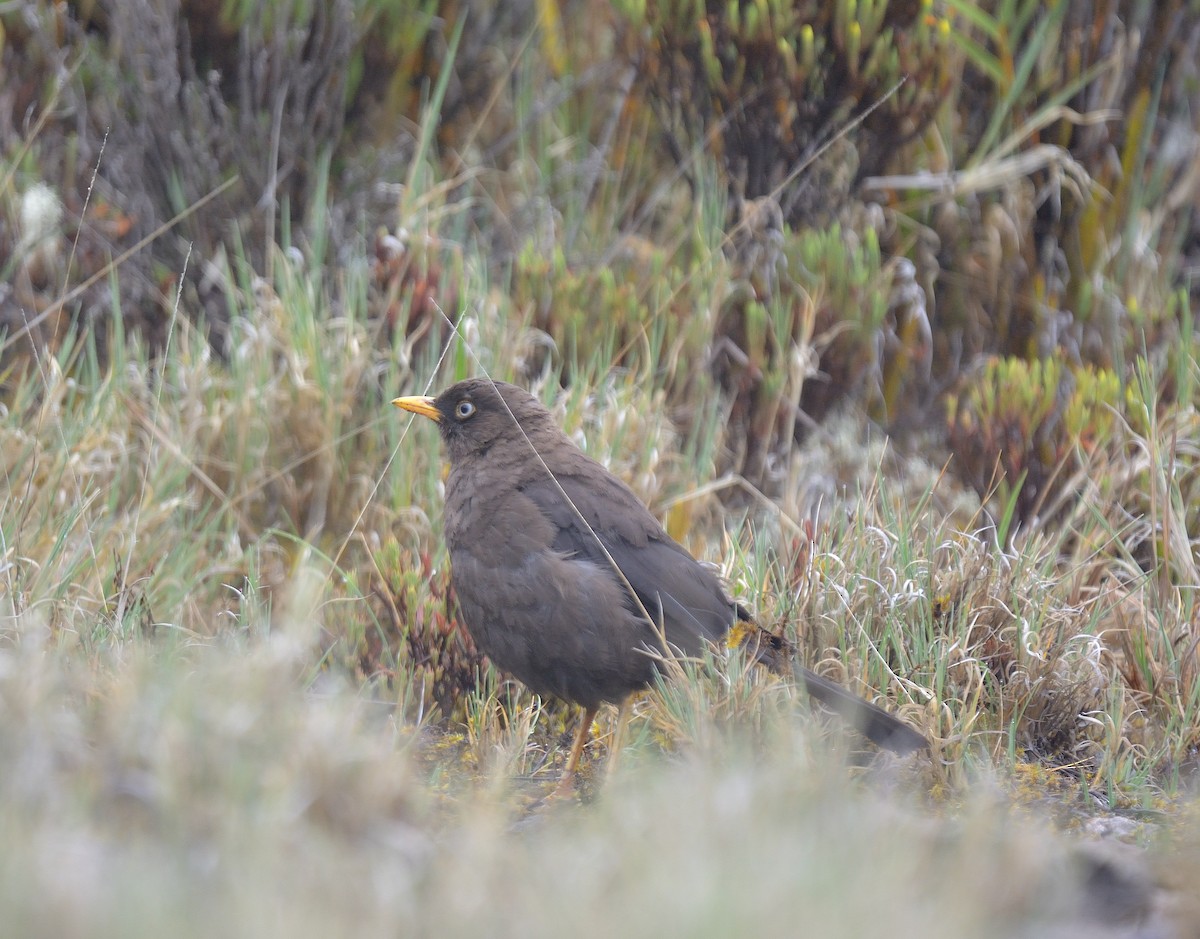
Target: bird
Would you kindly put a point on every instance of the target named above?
(566, 580)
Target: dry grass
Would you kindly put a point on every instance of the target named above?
(199, 704)
(214, 701)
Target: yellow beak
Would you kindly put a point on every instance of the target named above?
(419, 404)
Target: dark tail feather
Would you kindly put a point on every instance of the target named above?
(877, 725)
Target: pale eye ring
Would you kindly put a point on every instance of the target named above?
(464, 409)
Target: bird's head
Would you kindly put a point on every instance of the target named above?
(476, 414)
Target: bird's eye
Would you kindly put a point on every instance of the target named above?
(464, 409)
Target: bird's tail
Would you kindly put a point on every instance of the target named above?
(873, 722)
(879, 726)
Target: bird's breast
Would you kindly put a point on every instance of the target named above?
(498, 526)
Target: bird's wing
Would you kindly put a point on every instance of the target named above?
(675, 589)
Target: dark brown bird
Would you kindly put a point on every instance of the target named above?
(562, 574)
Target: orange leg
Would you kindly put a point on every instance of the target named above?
(618, 737)
(566, 785)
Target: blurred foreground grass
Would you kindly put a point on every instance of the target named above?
(197, 789)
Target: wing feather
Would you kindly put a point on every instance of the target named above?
(667, 581)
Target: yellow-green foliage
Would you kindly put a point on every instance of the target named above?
(641, 311)
(845, 273)
(1020, 428)
(1093, 408)
(764, 80)
(869, 344)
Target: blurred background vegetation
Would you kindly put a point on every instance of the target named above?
(889, 306)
